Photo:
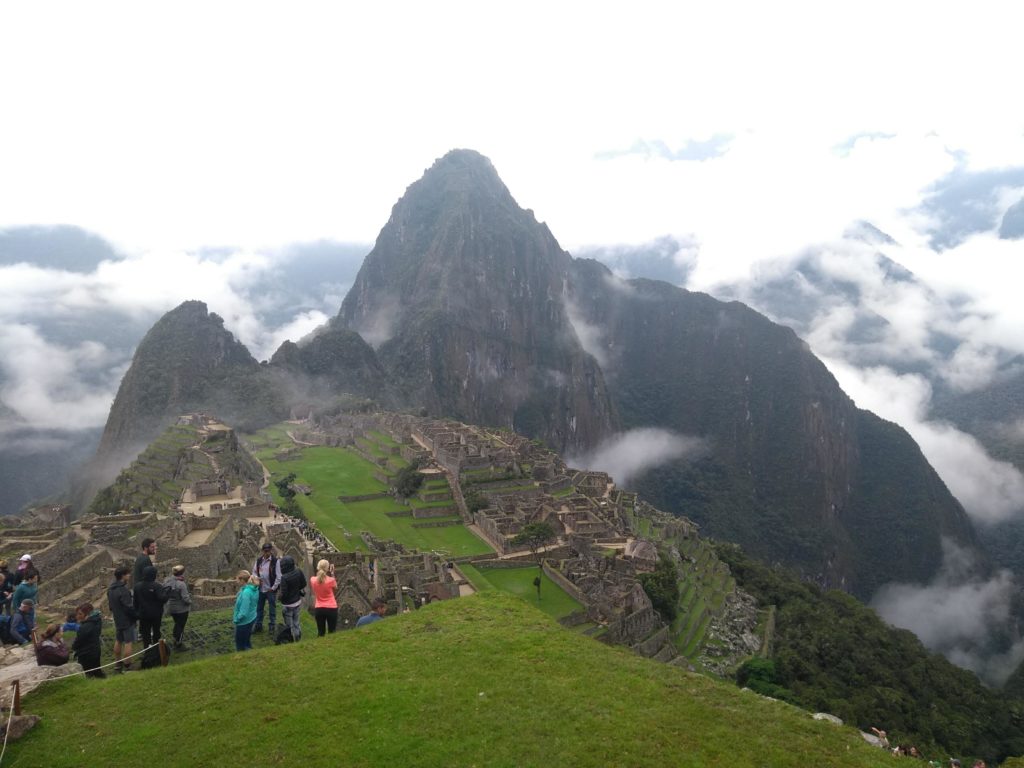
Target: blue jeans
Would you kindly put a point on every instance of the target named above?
(290, 617)
(243, 636)
(266, 597)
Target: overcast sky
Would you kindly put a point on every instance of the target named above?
(204, 140)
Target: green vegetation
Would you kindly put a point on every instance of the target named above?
(485, 681)
(554, 601)
(168, 465)
(409, 479)
(334, 472)
(535, 536)
(833, 654)
(662, 587)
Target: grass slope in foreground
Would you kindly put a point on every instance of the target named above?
(481, 681)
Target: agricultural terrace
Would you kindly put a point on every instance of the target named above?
(334, 472)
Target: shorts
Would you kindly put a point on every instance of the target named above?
(129, 635)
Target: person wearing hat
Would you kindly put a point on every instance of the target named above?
(26, 568)
(179, 602)
(268, 569)
(23, 622)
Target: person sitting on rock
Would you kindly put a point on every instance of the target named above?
(23, 623)
(87, 639)
(51, 651)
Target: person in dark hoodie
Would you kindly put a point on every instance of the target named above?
(87, 640)
(293, 589)
(122, 609)
(149, 604)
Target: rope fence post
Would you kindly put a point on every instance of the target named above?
(163, 652)
(16, 703)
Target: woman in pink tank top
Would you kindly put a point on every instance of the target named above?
(325, 610)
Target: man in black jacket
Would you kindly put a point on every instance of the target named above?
(149, 604)
(293, 583)
(122, 610)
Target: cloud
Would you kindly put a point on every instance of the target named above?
(45, 385)
(691, 150)
(959, 615)
(990, 490)
(67, 335)
(630, 454)
(589, 335)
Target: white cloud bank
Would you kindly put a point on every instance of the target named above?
(957, 615)
(629, 454)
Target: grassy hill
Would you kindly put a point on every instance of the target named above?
(482, 681)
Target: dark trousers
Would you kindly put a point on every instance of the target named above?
(326, 620)
(179, 625)
(90, 661)
(243, 636)
(149, 630)
(266, 597)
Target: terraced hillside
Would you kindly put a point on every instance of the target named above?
(181, 455)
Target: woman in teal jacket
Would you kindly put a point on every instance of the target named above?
(245, 609)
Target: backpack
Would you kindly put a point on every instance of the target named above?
(151, 658)
(284, 635)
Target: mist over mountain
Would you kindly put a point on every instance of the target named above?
(462, 296)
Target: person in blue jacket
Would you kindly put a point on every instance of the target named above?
(245, 609)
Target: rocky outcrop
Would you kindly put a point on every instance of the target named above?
(463, 297)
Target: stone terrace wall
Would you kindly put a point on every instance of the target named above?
(95, 565)
(59, 556)
(206, 559)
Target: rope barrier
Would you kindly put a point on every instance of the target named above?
(10, 717)
(111, 664)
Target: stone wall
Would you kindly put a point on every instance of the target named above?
(97, 564)
(428, 512)
(571, 589)
(363, 497)
(58, 556)
(207, 559)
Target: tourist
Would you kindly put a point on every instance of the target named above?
(51, 651)
(23, 623)
(978, 764)
(179, 602)
(377, 610)
(6, 589)
(325, 609)
(293, 589)
(87, 640)
(149, 605)
(144, 560)
(245, 609)
(26, 590)
(26, 568)
(122, 610)
(268, 570)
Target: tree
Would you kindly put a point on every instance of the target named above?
(283, 486)
(534, 536)
(662, 587)
(409, 479)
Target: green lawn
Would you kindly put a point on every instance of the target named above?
(334, 472)
(485, 681)
(519, 581)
